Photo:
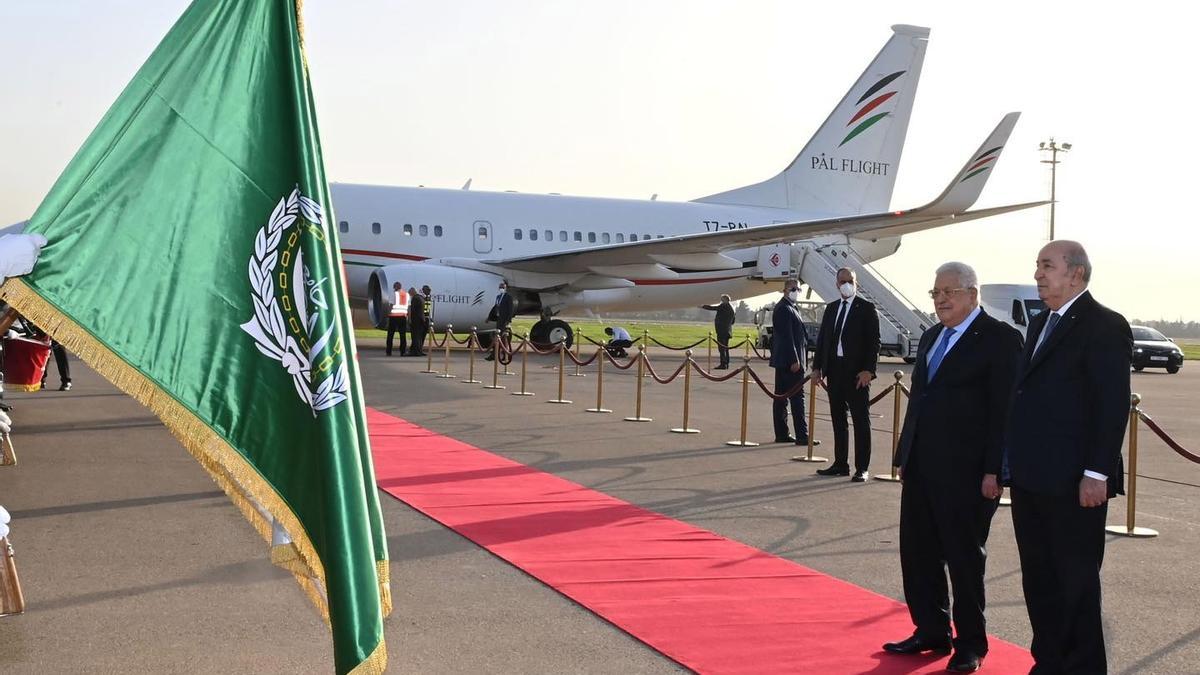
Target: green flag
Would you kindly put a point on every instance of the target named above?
(192, 261)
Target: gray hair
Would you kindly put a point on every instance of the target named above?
(1077, 257)
(966, 274)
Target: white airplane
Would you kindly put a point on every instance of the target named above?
(568, 254)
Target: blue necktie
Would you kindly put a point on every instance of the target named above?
(939, 353)
(1050, 324)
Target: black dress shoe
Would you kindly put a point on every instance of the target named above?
(964, 662)
(784, 439)
(916, 645)
(834, 471)
(859, 477)
(804, 441)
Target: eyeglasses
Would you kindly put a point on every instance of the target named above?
(937, 292)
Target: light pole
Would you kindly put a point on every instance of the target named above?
(1053, 148)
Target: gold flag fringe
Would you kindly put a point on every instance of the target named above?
(245, 487)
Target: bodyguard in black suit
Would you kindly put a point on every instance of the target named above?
(846, 354)
(1063, 444)
(949, 456)
(788, 346)
(502, 313)
(723, 324)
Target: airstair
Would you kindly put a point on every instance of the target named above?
(901, 322)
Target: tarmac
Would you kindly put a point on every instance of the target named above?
(132, 560)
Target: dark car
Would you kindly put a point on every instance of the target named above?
(1152, 349)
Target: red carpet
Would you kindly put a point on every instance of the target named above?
(709, 603)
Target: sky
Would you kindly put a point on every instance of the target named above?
(688, 98)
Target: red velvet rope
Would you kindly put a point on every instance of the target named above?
(1171, 443)
(670, 379)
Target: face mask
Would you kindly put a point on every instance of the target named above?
(847, 290)
(793, 296)
(503, 288)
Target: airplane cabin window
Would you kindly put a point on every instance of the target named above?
(437, 230)
(517, 234)
(375, 228)
(632, 236)
(424, 230)
(343, 226)
(604, 237)
(620, 238)
(660, 236)
(408, 229)
(533, 235)
(483, 233)
(591, 237)
(645, 237)
(578, 235)
(549, 235)
(562, 235)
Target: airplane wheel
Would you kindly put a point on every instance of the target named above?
(557, 331)
(538, 334)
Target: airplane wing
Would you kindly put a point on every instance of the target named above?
(702, 251)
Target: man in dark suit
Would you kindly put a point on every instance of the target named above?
(502, 313)
(788, 358)
(846, 354)
(723, 324)
(949, 455)
(418, 320)
(1063, 444)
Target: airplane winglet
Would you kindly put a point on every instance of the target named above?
(968, 184)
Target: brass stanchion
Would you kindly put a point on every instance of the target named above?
(1130, 528)
(562, 364)
(506, 363)
(710, 343)
(472, 340)
(12, 600)
(687, 391)
(429, 353)
(524, 367)
(742, 442)
(495, 365)
(578, 348)
(641, 372)
(446, 363)
(645, 349)
(893, 477)
(599, 383)
(812, 421)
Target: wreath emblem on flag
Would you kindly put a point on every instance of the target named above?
(292, 321)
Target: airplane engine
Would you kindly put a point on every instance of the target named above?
(460, 297)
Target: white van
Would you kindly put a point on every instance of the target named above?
(1014, 304)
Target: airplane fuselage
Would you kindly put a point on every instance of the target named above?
(380, 225)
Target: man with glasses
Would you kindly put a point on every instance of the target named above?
(846, 354)
(1062, 448)
(949, 455)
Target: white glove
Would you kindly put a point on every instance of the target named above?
(3, 522)
(18, 253)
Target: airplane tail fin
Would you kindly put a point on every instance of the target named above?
(968, 183)
(849, 166)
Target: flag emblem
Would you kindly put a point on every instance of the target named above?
(291, 322)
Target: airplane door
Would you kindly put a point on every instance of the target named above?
(482, 236)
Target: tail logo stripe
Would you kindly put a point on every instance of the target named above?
(880, 85)
(870, 106)
(863, 127)
(981, 162)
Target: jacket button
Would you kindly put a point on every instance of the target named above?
(1020, 391)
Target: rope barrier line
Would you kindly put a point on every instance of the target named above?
(1166, 438)
(671, 378)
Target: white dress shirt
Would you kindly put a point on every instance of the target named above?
(958, 333)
